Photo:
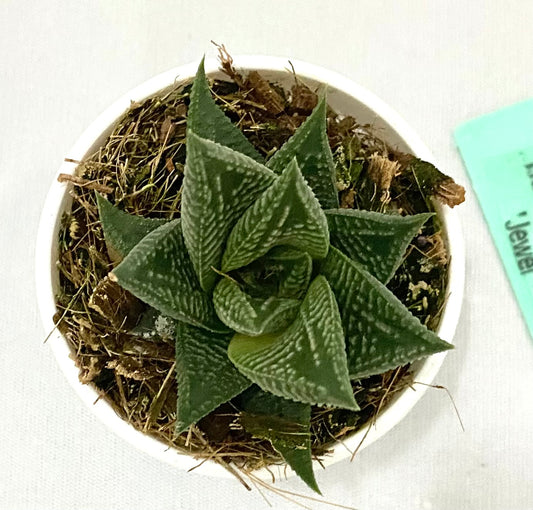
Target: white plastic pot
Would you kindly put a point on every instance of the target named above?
(345, 97)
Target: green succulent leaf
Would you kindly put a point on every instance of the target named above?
(206, 377)
(310, 146)
(207, 120)
(284, 272)
(307, 361)
(376, 241)
(219, 185)
(122, 231)
(252, 316)
(287, 213)
(159, 272)
(381, 333)
(286, 424)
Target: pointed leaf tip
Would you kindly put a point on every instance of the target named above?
(286, 424)
(207, 120)
(206, 377)
(159, 272)
(307, 361)
(375, 240)
(287, 213)
(219, 185)
(310, 146)
(381, 333)
(123, 231)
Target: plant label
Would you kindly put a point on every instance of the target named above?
(498, 153)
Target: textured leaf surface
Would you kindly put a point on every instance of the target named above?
(159, 272)
(207, 120)
(377, 241)
(219, 186)
(252, 316)
(286, 424)
(310, 146)
(307, 361)
(381, 333)
(286, 213)
(282, 272)
(206, 377)
(122, 231)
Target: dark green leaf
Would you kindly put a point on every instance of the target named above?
(219, 185)
(207, 120)
(381, 333)
(122, 231)
(287, 213)
(252, 316)
(206, 377)
(307, 361)
(159, 272)
(377, 241)
(285, 424)
(310, 146)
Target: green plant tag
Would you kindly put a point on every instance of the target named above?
(498, 152)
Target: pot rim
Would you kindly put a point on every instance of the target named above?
(57, 198)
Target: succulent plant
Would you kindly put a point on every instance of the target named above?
(279, 297)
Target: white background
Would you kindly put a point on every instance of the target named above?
(438, 63)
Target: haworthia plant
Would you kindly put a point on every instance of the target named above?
(268, 281)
